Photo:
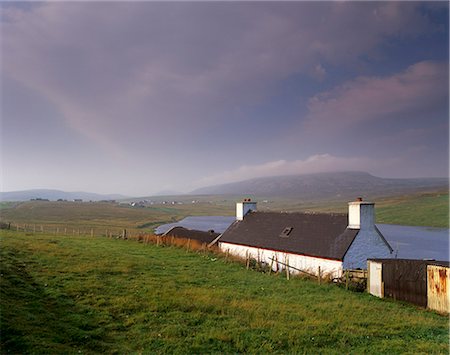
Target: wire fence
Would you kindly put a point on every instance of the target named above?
(113, 233)
(35, 228)
(348, 277)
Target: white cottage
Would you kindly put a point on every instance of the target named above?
(307, 241)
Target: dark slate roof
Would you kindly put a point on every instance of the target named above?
(314, 234)
(181, 232)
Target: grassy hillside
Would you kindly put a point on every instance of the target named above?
(97, 295)
(102, 215)
(425, 209)
(421, 210)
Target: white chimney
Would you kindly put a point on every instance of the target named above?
(361, 214)
(242, 208)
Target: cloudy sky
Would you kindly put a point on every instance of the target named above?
(140, 97)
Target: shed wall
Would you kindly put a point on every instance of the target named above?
(332, 268)
(406, 280)
(438, 285)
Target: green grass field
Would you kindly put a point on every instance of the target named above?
(101, 216)
(98, 295)
(422, 210)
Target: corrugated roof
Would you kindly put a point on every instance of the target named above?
(181, 232)
(415, 262)
(314, 234)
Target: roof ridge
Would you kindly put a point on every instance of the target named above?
(304, 212)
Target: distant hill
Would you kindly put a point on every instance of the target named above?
(325, 186)
(53, 195)
(168, 193)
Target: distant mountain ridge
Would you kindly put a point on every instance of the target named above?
(25, 195)
(320, 186)
(324, 186)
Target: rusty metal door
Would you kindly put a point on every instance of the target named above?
(438, 282)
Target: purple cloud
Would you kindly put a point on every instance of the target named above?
(421, 86)
(104, 65)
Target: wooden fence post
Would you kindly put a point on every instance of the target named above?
(319, 277)
(92, 232)
(346, 279)
(278, 264)
(287, 268)
(247, 259)
(271, 265)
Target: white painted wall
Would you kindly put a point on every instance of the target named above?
(368, 244)
(310, 264)
(375, 278)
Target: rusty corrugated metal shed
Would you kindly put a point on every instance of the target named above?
(406, 280)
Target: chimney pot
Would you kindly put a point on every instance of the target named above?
(359, 199)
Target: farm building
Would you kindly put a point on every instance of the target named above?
(422, 282)
(316, 243)
(185, 233)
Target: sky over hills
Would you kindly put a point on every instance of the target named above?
(138, 97)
